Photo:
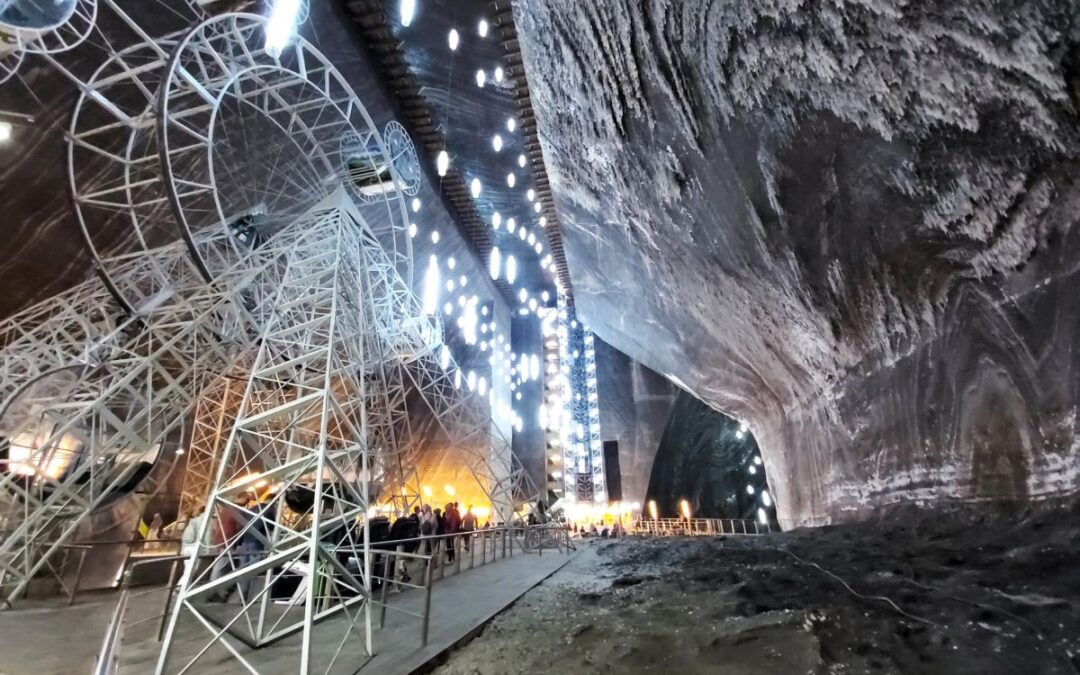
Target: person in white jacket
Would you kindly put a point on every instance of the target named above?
(189, 541)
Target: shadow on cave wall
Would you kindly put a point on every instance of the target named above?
(707, 459)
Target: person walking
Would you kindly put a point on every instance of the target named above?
(451, 524)
(468, 526)
(189, 541)
(428, 525)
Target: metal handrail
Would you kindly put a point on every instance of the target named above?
(699, 526)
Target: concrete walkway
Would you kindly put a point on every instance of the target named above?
(51, 638)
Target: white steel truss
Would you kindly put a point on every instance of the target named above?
(284, 336)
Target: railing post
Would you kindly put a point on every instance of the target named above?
(505, 532)
(382, 593)
(427, 604)
(457, 553)
(483, 548)
(744, 526)
(78, 577)
(438, 557)
(168, 601)
(472, 549)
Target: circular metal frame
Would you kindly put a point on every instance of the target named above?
(65, 34)
(403, 158)
(220, 72)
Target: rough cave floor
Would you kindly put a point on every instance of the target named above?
(971, 595)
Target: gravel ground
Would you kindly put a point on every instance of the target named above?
(915, 592)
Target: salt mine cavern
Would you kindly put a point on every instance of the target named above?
(485, 337)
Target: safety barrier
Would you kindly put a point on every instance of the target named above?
(709, 527)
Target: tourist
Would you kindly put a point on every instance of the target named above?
(451, 525)
(428, 525)
(189, 540)
(468, 526)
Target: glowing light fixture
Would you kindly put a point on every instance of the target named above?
(530, 194)
(511, 179)
(481, 78)
(762, 517)
(475, 187)
(499, 76)
(495, 263)
(281, 26)
(496, 142)
(412, 230)
(496, 220)
(652, 508)
(511, 268)
(453, 39)
(766, 498)
(521, 159)
(434, 236)
(482, 28)
(442, 163)
(444, 357)
(684, 508)
(408, 10)
(415, 205)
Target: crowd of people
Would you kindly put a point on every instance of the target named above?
(244, 528)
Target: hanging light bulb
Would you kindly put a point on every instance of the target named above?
(281, 25)
(511, 225)
(530, 194)
(453, 39)
(482, 28)
(495, 263)
(408, 10)
(521, 159)
(444, 357)
(511, 268)
(511, 124)
(539, 248)
(434, 236)
(499, 76)
(496, 220)
(442, 162)
(511, 179)
(481, 78)
(474, 187)
(496, 142)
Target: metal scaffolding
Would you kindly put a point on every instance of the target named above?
(254, 309)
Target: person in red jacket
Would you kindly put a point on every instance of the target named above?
(451, 525)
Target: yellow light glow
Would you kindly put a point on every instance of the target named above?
(481, 511)
(652, 508)
(29, 453)
(450, 490)
(427, 490)
(684, 506)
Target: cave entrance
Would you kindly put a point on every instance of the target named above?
(711, 461)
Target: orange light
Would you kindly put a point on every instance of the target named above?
(684, 506)
(652, 508)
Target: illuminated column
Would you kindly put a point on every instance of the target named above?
(583, 460)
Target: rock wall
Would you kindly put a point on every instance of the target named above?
(851, 225)
(704, 459)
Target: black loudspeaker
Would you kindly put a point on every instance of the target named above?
(612, 472)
